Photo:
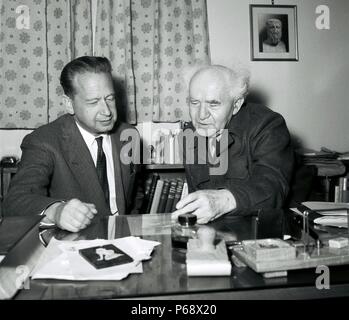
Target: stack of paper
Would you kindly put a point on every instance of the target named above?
(333, 213)
(207, 263)
(62, 260)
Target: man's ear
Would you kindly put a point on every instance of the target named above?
(237, 105)
(68, 104)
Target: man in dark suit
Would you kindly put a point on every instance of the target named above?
(70, 169)
(249, 142)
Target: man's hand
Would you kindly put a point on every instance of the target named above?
(73, 215)
(207, 205)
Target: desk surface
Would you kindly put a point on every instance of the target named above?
(165, 277)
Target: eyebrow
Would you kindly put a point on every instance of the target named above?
(213, 101)
(91, 99)
(98, 98)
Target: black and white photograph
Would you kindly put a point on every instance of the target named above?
(273, 32)
(189, 151)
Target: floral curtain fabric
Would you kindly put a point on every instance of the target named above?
(37, 38)
(149, 43)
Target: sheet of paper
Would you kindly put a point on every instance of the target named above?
(323, 206)
(329, 218)
(333, 221)
(61, 259)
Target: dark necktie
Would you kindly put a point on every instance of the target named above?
(101, 167)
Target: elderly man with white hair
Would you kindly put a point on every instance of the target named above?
(254, 140)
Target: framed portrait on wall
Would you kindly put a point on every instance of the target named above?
(273, 32)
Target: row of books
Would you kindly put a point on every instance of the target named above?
(162, 195)
(165, 147)
(341, 192)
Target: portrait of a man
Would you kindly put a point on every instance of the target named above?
(273, 34)
(273, 42)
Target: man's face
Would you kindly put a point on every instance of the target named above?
(94, 102)
(210, 105)
(274, 31)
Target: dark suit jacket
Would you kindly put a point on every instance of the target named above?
(260, 160)
(57, 165)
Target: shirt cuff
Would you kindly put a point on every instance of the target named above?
(48, 225)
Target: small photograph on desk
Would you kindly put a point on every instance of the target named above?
(105, 256)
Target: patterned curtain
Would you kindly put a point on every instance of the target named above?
(149, 43)
(37, 38)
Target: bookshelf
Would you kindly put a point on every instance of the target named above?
(332, 188)
(151, 176)
(166, 171)
(161, 167)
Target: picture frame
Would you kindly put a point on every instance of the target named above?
(274, 32)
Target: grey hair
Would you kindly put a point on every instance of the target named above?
(237, 77)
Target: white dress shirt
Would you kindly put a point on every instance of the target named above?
(91, 143)
(213, 141)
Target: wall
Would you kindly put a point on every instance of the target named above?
(10, 141)
(312, 93)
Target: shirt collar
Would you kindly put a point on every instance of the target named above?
(88, 137)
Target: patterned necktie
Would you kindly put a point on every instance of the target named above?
(101, 168)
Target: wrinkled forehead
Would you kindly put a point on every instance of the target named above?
(273, 22)
(209, 82)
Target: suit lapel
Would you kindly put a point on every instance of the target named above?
(199, 171)
(120, 174)
(80, 161)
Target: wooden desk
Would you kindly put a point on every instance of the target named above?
(164, 276)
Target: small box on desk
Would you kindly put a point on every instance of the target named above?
(269, 249)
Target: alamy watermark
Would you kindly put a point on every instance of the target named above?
(323, 280)
(322, 21)
(22, 280)
(192, 149)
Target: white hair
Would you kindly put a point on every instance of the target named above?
(237, 77)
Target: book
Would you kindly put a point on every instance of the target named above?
(144, 205)
(171, 195)
(328, 208)
(329, 213)
(156, 198)
(154, 181)
(184, 191)
(163, 197)
(178, 194)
